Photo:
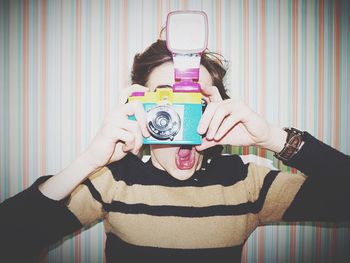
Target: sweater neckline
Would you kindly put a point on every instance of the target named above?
(165, 177)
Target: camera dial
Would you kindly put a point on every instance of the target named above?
(163, 122)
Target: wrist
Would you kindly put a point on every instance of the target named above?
(277, 139)
(294, 142)
(62, 184)
(88, 160)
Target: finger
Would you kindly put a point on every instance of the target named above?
(220, 114)
(138, 139)
(205, 145)
(129, 142)
(136, 108)
(126, 92)
(206, 117)
(212, 93)
(229, 123)
(132, 127)
(138, 88)
(140, 116)
(119, 117)
(116, 133)
(128, 146)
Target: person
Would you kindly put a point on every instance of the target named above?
(186, 203)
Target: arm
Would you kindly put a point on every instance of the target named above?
(321, 196)
(115, 139)
(39, 216)
(318, 197)
(325, 194)
(30, 221)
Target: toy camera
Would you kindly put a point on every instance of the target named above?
(173, 113)
(172, 117)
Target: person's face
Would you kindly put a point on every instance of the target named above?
(178, 162)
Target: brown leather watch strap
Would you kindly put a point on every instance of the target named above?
(293, 144)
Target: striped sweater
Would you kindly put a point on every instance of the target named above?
(149, 215)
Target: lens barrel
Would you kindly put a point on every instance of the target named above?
(163, 122)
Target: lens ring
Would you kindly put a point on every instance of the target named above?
(163, 122)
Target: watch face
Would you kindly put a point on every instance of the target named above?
(292, 131)
(293, 144)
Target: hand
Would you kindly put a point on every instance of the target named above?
(126, 92)
(233, 122)
(119, 135)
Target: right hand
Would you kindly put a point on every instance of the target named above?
(119, 135)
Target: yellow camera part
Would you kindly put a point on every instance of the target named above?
(167, 94)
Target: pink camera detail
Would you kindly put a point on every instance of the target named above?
(186, 78)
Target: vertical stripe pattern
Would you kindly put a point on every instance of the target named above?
(63, 63)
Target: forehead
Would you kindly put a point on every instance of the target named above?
(164, 75)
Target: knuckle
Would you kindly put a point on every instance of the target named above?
(133, 126)
(130, 139)
(212, 105)
(135, 87)
(220, 112)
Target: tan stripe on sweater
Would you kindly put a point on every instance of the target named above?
(84, 206)
(180, 232)
(240, 192)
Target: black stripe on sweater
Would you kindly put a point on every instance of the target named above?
(118, 250)
(185, 211)
(96, 194)
(132, 170)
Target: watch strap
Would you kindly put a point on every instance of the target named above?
(293, 144)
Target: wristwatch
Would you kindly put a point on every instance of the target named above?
(293, 144)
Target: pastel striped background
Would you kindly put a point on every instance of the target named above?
(63, 63)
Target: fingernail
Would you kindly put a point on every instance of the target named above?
(200, 129)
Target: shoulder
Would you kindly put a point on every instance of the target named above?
(129, 165)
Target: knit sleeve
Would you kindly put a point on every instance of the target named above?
(325, 194)
(87, 202)
(30, 222)
(319, 193)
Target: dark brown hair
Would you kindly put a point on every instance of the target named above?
(158, 53)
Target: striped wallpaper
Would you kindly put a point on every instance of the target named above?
(63, 63)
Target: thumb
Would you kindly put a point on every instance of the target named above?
(205, 144)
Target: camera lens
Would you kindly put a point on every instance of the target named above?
(163, 122)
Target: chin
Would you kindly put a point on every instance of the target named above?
(180, 166)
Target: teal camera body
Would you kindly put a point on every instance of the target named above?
(171, 117)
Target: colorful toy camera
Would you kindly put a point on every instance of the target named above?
(172, 117)
(173, 114)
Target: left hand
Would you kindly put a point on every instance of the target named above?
(232, 122)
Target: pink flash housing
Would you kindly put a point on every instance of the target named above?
(186, 39)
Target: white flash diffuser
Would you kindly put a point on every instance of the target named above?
(187, 32)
